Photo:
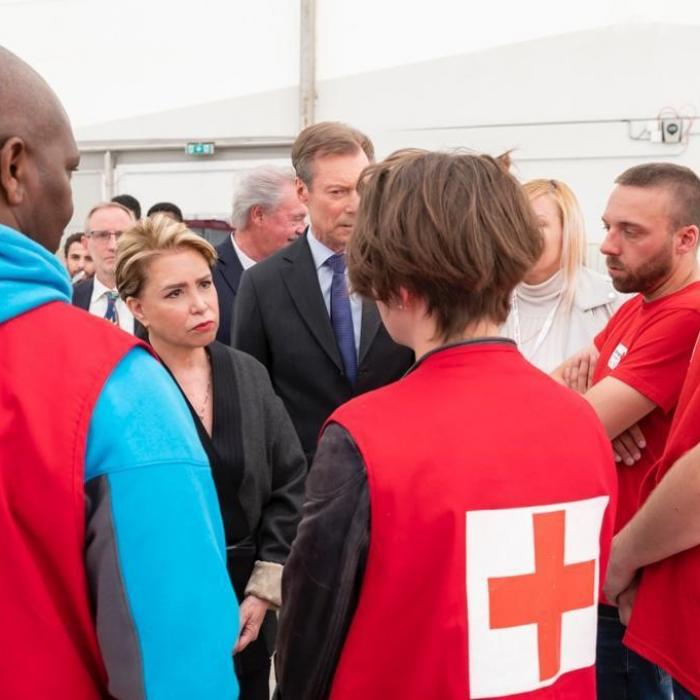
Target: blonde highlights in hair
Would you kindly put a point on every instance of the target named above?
(148, 239)
(573, 249)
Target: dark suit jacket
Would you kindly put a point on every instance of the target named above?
(227, 276)
(281, 319)
(82, 293)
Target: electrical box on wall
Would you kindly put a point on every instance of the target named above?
(671, 130)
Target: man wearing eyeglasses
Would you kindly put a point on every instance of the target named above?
(103, 226)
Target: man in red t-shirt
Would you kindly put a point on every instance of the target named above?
(639, 361)
(663, 540)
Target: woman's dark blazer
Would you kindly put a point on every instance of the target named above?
(271, 486)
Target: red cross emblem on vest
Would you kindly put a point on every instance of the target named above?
(532, 593)
(541, 598)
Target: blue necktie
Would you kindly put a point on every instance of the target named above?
(341, 316)
(111, 313)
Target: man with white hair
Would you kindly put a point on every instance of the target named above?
(267, 215)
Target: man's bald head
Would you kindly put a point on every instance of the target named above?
(29, 106)
(37, 154)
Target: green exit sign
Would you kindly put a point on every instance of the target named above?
(200, 148)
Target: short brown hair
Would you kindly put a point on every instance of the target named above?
(324, 139)
(73, 238)
(681, 181)
(452, 228)
(146, 240)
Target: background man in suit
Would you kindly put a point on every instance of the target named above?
(78, 261)
(104, 225)
(293, 312)
(267, 215)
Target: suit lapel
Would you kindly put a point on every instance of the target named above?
(301, 280)
(229, 265)
(369, 327)
(82, 293)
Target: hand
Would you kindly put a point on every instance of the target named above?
(627, 446)
(620, 574)
(625, 601)
(252, 613)
(577, 372)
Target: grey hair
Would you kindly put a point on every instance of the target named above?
(261, 186)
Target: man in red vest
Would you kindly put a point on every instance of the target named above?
(114, 581)
(457, 521)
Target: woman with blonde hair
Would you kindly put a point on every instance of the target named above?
(163, 273)
(561, 304)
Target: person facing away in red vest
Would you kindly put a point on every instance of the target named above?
(112, 560)
(639, 362)
(458, 521)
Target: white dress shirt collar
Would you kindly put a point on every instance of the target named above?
(99, 303)
(319, 251)
(245, 260)
(99, 289)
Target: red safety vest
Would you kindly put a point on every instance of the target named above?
(54, 361)
(492, 503)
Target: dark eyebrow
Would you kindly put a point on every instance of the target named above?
(627, 224)
(170, 287)
(180, 285)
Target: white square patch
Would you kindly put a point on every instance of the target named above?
(617, 354)
(532, 594)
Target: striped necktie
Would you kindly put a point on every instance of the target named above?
(111, 313)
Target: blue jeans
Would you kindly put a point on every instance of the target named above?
(680, 693)
(622, 674)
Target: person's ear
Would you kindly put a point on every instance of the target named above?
(136, 307)
(405, 298)
(13, 170)
(256, 215)
(302, 191)
(687, 240)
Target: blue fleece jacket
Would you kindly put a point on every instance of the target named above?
(145, 468)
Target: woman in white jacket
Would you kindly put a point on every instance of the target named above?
(561, 305)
